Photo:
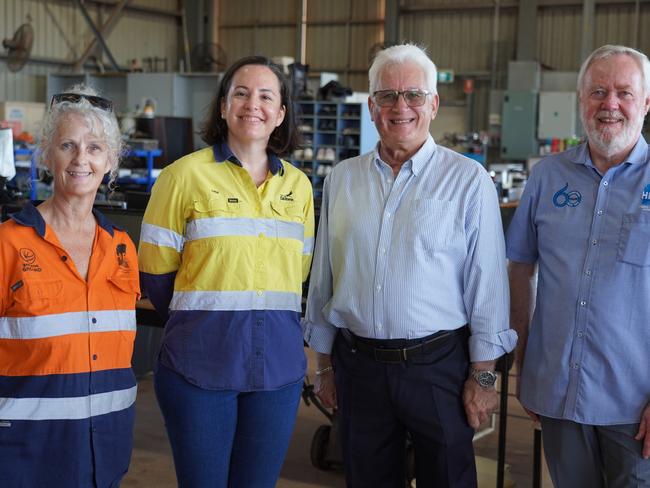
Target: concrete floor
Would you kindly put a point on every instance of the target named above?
(152, 464)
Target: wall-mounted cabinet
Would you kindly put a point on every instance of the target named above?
(112, 86)
(174, 94)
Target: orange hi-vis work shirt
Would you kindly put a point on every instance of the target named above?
(67, 390)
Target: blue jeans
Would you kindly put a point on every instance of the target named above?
(225, 438)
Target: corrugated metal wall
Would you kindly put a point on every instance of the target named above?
(338, 37)
(252, 27)
(459, 36)
(61, 34)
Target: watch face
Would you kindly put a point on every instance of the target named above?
(486, 378)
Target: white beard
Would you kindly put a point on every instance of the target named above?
(607, 142)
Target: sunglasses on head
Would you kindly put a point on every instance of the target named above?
(95, 101)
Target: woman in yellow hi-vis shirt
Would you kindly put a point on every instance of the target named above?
(226, 243)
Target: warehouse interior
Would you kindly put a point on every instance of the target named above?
(507, 74)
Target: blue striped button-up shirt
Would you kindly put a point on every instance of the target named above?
(408, 256)
(587, 352)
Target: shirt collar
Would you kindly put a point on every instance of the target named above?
(222, 153)
(419, 159)
(30, 217)
(638, 155)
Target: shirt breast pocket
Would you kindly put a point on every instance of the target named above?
(289, 225)
(634, 242)
(37, 297)
(431, 226)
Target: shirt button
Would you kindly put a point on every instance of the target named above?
(382, 250)
(580, 333)
(600, 212)
(389, 181)
(588, 272)
(259, 292)
(583, 303)
(260, 323)
(594, 242)
(93, 320)
(387, 214)
(378, 287)
(605, 183)
(576, 365)
(378, 326)
(64, 258)
(94, 357)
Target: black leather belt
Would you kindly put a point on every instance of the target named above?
(412, 347)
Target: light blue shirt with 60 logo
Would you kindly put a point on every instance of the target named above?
(587, 354)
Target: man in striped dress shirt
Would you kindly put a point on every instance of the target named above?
(408, 300)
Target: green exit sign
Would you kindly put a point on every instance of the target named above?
(446, 76)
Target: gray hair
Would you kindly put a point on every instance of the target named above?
(402, 54)
(101, 122)
(616, 50)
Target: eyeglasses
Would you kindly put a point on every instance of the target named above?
(95, 101)
(388, 98)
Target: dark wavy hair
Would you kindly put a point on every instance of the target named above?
(284, 139)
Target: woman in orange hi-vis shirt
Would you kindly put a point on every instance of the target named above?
(68, 287)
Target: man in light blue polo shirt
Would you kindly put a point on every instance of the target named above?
(584, 222)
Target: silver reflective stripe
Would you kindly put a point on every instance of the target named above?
(235, 300)
(161, 237)
(227, 227)
(308, 247)
(66, 323)
(69, 408)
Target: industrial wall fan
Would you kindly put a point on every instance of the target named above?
(19, 47)
(208, 56)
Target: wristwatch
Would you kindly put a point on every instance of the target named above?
(484, 377)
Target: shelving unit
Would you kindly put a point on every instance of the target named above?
(148, 179)
(332, 132)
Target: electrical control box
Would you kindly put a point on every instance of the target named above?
(557, 115)
(518, 125)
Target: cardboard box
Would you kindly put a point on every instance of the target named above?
(27, 116)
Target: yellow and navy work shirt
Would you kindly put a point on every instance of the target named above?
(224, 261)
(67, 390)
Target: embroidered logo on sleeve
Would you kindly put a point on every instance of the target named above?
(564, 198)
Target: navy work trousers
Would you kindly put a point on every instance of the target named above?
(380, 402)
